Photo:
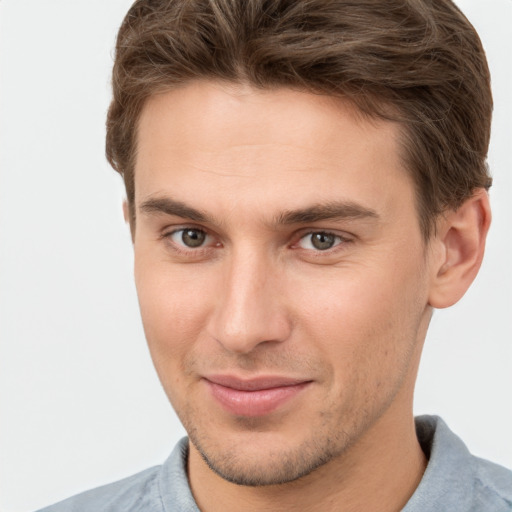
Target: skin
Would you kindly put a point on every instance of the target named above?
(257, 298)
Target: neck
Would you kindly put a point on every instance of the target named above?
(380, 472)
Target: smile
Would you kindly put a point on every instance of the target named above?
(254, 397)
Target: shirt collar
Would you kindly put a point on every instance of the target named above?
(447, 483)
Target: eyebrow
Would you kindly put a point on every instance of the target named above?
(334, 210)
(170, 206)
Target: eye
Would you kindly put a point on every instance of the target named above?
(319, 241)
(189, 237)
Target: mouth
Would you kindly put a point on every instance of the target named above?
(254, 397)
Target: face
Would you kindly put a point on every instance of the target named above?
(281, 273)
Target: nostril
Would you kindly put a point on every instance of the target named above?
(248, 311)
(242, 331)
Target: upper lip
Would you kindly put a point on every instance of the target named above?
(254, 383)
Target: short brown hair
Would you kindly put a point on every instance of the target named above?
(417, 62)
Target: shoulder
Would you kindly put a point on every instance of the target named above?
(493, 486)
(137, 492)
(146, 491)
(455, 479)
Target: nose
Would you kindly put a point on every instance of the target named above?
(250, 309)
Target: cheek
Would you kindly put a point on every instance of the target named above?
(365, 323)
(173, 309)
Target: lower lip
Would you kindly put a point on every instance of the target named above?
(254, 403)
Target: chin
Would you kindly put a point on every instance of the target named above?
(266, 461)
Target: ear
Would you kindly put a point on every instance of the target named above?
(126, 213)
(459, 249)
(127, 218)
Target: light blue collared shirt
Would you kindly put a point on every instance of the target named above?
(454, 481)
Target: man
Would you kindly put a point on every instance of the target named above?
(305, 182)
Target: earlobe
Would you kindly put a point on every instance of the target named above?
(460, 241)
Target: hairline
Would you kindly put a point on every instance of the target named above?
(389, 113)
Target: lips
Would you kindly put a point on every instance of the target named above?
(253, 397)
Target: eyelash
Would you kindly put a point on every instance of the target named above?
(198, 251)
(183, 249)
(338, 240)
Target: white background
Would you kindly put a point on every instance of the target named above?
(80, 403)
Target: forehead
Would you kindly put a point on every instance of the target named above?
(209, 142)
